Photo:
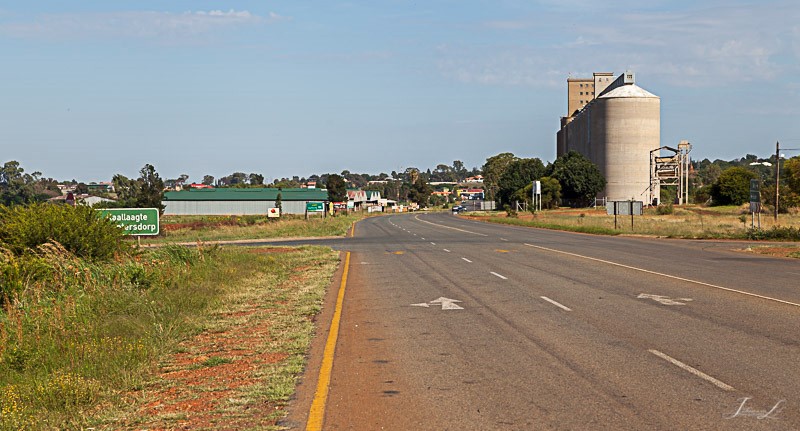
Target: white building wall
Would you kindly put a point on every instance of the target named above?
(231, 207)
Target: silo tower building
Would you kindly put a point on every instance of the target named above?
(616, 129)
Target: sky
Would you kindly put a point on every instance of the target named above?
(94, 88)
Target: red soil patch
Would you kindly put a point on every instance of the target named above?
(193, 389)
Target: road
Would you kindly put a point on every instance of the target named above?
(452, 324)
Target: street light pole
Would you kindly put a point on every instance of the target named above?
(777, 178)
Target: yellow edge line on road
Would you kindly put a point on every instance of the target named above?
(353, 230)
(317, 413)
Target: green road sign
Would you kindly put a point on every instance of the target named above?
(135, 221)
(315, 206)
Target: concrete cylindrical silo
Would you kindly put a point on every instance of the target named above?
(625, 128)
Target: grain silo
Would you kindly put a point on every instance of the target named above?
(616, 131)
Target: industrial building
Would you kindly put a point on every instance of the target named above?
(615, 124)
(235, 201)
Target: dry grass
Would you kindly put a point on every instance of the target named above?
(241, 369)
(222, 228)
(685, 222)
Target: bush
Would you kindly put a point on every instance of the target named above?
(732, 187)
(665, 209)
(788, 233)
(78, 229)
(16, 272)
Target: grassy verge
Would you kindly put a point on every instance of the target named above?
(221, 228)
(79, 347)
(599, 230)
(685, 222)
(241, 369)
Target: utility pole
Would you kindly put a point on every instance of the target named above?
(777, 177)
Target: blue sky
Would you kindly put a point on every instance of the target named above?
(93, 88)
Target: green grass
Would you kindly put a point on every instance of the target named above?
(79, 340)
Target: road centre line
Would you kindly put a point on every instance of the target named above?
(466, 260)
(433, 243)
(449, 227)
(446, 250)
(692, 370)
(561, 306)
(498, 275)
(666, 275)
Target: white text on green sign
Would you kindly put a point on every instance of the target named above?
(135, 221)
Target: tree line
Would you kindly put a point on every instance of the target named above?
(569, 180)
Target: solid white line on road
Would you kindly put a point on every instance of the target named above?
(498, 275)
(446, 250)
(563, 307)
(666, 275)
(692, 370)
(450, 227)
(466, 260)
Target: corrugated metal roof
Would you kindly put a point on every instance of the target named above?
(236, 194)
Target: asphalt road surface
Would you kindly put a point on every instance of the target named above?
(452, 324)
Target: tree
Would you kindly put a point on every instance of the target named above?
(126, 190)
(337, 189)
(208, 180)
(732, 187)
(147, 191)
(518, 174)
(444, 173)
(708, 173)
(791, 174)
(151, 189)
(551, 193)
(279, 201)
(82, 189)
(460, 170)
(492, 171)
(16, 187)
(255, 179)
(580, 179)
(420, 192)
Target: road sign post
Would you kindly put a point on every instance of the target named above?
(134, 221)
(624, 208)
(755, 202)
(315, 207)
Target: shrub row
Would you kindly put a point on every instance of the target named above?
(780, 233)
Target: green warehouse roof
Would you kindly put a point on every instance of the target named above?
(236, 194)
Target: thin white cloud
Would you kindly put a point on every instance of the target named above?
(701, 46)
(133, 24)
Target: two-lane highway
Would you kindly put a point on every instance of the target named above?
(454, 324)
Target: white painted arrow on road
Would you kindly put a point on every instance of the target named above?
(446, 303)
(664, 299)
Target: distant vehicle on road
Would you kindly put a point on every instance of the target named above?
(458, 208)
